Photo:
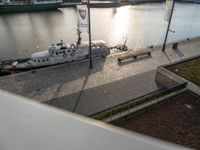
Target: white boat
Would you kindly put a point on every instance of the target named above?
(61, 53)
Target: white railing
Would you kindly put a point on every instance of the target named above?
(28, 125)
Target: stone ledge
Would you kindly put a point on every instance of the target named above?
(169, 79)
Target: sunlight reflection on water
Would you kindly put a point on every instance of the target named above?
(25, 33)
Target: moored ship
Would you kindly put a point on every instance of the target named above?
(6, 6)
(61, 53)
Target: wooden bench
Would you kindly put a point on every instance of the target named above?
(134, 55)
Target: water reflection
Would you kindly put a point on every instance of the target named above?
(185, 21)
(120, 23)
(144, 25)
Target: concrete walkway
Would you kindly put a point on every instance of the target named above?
(68, 79)
(99, 98)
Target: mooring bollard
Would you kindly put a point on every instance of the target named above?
(175, 45)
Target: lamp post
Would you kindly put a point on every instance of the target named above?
(164, 44)
(89, 31)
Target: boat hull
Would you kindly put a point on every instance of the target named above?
(27, 8)
(4, 72)
(22, 67)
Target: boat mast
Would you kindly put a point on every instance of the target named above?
(79, 36)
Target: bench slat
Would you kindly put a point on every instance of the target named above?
(134, 55)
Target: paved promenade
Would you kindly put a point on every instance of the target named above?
(66, 80)
(93, 100)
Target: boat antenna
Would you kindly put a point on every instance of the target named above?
(124, 47)
(125, 41)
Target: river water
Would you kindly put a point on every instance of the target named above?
(22, 34)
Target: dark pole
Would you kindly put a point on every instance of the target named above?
(90, 46)
(164, 44)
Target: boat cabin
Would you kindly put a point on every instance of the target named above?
(39, 58)
(62, 49)
(60, 53)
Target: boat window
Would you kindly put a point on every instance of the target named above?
(56, 53)
(74, 50)
(63, 52)
(69, 51)
(34, 60)
(43, 60)
(52, 52)
(38, 60)
(63, 48)
(47, 59)
(60, 52)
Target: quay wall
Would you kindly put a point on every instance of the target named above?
(111, 3)
(108, 4)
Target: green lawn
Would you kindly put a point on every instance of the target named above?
(189, 70)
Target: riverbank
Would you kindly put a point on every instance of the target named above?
(106, 24)
(111, 4)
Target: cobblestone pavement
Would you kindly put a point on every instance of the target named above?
(58, 81)
(102, 97)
